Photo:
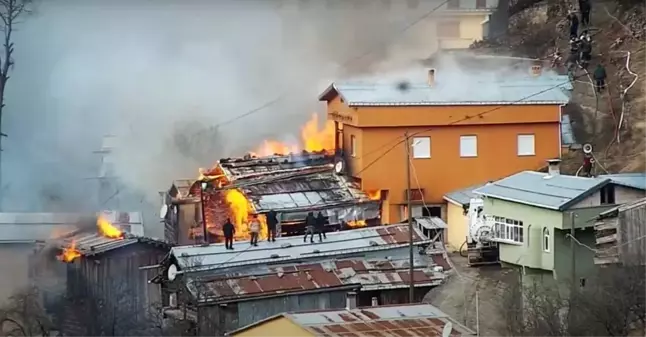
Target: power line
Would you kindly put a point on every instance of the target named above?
(344, 64)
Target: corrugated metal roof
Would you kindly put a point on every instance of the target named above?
(545, 89)
(463, 196)
(633, 180)
(29, 227)
(368, 275)
(89, 244)
(556, 192)
(215, 256)
(396, 321)
(428, 222)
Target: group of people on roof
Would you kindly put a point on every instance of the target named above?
(313, 225)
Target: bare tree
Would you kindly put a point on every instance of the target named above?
(24, 315)
(10, 12)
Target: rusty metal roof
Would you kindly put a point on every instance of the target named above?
(284, 250)
(247, 167)
(396, 321)
(296, 278)
(89, 244)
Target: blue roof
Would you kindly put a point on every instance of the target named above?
(557, 192)
(548, 88)
(464, 195)
(634, 180)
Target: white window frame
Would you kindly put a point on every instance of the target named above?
(353, 146)
(507, 230)
(469, 146)
(546, 240)
(421, 147)
(522, 139)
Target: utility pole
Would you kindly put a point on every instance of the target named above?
(205, 234)
(572, 248)
(411, 267)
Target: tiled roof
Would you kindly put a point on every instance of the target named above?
(545, 89)
(633, 180)
(395, 321)
(215, 256)
(556, 192)
(463, 196)
(355, 273)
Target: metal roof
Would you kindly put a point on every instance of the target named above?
(395, 321)
(633, 180)
(89, 244)
(463, 196)
(297, 278)
(556, 192)
(216, 256)
(545, 89)
(622, 208)
(428, 222)
(31, 227)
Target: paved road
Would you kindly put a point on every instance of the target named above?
(457, 296)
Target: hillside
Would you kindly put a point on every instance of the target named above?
(614, 122)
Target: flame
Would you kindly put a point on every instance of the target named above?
(107, 229)
(242, 211)
(374, 195)
(271, 147)
(314, 138)
(357, 224)
(69, 254)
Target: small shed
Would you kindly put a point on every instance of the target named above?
(620, 235)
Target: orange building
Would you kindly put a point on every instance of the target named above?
(461, 135)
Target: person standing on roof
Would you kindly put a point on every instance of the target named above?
(254, 230)
(600, 77)
(310, 224)
(321, 221)
(272, 222)
(574, 24)
(229, 231)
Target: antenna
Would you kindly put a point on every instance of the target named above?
(448, 327)
(172, 272)
(587, 148)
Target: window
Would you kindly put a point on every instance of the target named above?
(468, 146)
(546, 240)
(481, 4)
(422, 147)
(507, 230)
(608, 195)
(526, 145)
(448, 29)
(453, 4)
(353, 146)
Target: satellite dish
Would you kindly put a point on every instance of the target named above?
(339, 166)
(587, 148)
(163, 211)
(172, 272)
(448, 327)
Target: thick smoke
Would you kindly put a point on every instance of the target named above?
(162, 75)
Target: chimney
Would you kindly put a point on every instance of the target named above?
(431, 77)
(554, 167)
(351, 301)
(375, 302)
(536, 70)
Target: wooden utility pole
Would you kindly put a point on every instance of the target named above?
(411, 267)
(572, 248)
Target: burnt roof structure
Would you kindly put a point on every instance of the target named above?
(89, 244)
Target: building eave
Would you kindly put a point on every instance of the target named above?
(457, 103)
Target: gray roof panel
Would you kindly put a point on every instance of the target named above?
(633, 180)
(542, 190)
(463, 196)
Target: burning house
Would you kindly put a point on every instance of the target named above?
(222, 290)
(108, 272)
(292, 185)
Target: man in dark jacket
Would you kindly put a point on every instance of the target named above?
(321, 221)
(272, 222)
(600, 77)
(229, 231)
(585, 7)
(310, 224)
(586, 51)
(574, 24)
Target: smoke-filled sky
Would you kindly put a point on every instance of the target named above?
(159, 73)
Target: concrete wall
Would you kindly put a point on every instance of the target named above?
(14, 268)
(457, 226)
(622, 195)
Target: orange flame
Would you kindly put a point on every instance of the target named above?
(242, 211)
(374, 195)
(69, 254)
(357, 224)
(314, 137)
(107, 229)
